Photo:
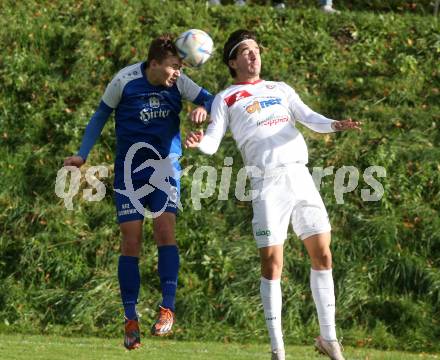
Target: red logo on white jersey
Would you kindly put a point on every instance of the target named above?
(232, 99)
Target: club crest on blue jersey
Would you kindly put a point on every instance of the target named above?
(154, 102)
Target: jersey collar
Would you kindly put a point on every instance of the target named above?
(248, 82)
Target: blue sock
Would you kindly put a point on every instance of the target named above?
(129, 283)
(168, 268)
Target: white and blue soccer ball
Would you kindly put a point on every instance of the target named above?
(194, 47)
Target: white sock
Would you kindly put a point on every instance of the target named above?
(270, 291)
(321, 283)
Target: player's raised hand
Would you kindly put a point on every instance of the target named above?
(193, 139)
(348, 124)
(75, 160)
(198, 115)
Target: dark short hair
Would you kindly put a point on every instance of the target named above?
(161, 48)
(236, 37)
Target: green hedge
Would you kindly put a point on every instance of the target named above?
(58, 268)
(423, 7)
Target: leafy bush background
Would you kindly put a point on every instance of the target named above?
(377, 63)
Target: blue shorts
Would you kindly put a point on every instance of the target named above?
(145, 196)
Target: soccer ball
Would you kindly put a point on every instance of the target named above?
(194, 47)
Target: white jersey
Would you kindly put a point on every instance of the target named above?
(262, 116)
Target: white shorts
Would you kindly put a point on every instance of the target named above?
(289, 196)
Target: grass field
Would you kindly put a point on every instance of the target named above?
(51, 348)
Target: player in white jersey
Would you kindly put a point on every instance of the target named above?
(262, 115)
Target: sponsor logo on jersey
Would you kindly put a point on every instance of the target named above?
(232, 99)
(153, 110)
(126, 209)
(258, 105)
(270, 86)
(273, 121)
(260, 232)
(147, 114)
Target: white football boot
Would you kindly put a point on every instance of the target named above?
(333, 349)
(278, 354)
(280, 6)
(328, 9)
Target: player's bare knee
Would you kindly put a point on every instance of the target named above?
(131, 245)
(163, 229)
(164, 237)
(163, 234)
(271, 274)
(322, 260)
(271, 268)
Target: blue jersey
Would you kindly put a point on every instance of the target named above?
(147, 113)
(147, 116)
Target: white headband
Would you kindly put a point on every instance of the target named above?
(237, 45)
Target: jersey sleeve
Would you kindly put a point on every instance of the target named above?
(113, 92)
(94, 129)
(306, 116)
(194, 93)
(216, 128)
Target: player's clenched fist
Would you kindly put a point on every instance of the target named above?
(193, 139)
(348, 124)
(75, 160)
(198, 115)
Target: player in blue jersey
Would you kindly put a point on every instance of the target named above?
(147, 99)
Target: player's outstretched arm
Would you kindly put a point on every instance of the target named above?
(199, 115)
(193, 139)
(91, 135)
(75, 160)
(348, 124)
